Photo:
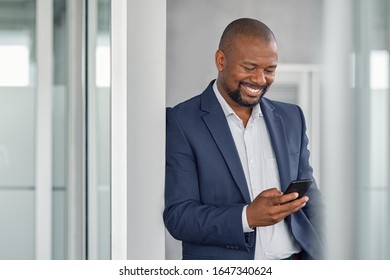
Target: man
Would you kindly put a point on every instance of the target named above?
(230, 155)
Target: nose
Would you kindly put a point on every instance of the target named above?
(259, 77)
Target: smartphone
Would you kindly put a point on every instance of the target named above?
(299, 186)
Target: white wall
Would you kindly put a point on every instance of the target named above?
(146, 128)
(195, 27)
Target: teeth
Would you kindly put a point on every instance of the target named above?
(252, 89)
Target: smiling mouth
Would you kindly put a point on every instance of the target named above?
(252, 89)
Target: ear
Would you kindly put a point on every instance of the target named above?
(220, 60)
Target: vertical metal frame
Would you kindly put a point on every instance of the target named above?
(76, 171)
(316, 124)
(76, 127)
(92, 186)
(43, 156)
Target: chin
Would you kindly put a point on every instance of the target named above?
(251, 103)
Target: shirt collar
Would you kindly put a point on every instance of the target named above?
(256, 112)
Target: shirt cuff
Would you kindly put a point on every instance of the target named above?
(245, 225)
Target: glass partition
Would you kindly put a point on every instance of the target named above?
(80, 131)
(99, 83)
(17, 122)
(372, 127)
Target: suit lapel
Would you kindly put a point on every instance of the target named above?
(277, 133)
(215, 120)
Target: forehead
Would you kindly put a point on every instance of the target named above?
(253, 49)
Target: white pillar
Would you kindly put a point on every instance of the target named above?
(337, 142)
(138, 90)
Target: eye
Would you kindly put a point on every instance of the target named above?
(249, 68)
(269, 71)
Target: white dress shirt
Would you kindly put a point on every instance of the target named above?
(261, 172)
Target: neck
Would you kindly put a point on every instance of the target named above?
(244, 114)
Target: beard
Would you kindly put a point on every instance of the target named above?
(236, 94)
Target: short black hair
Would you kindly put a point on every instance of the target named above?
(246, 27)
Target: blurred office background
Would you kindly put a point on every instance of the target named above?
(83, 90)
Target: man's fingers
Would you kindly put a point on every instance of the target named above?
(285, 198)
(293, 206)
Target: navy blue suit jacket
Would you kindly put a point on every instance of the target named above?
(205, 185)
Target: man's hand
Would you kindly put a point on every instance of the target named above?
(271, 206)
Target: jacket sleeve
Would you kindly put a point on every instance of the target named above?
(315, 208)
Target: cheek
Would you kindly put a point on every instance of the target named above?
(234, 76)
(238, 77)
(270, 79)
